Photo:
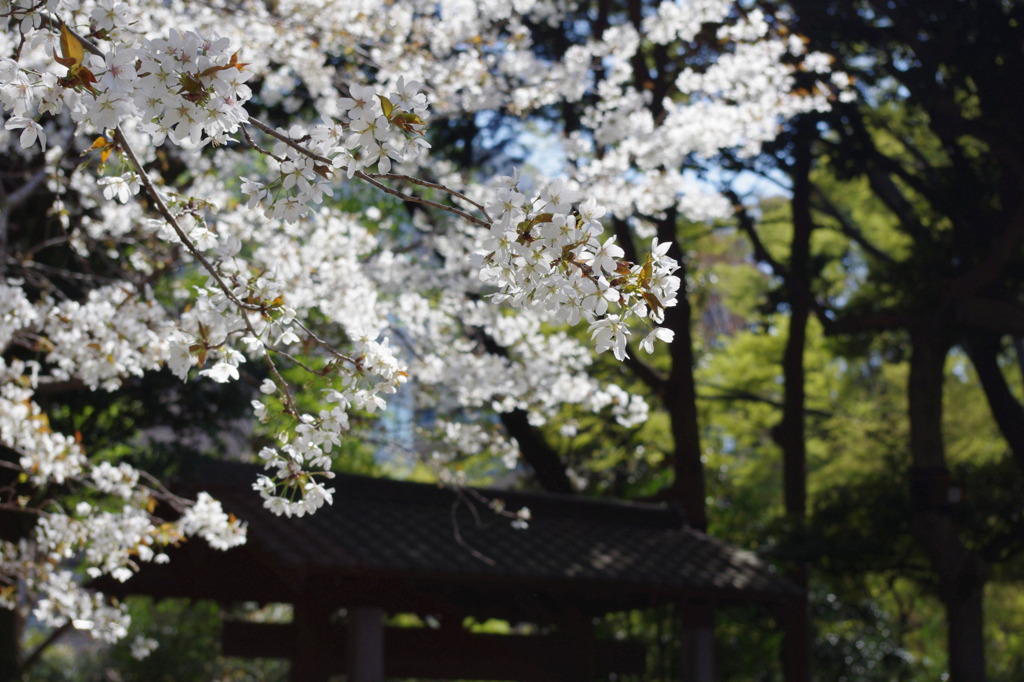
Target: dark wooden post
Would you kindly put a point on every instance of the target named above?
(697, 642)
(313, 648)
(579, 656)
(794, 620)
(365, 644)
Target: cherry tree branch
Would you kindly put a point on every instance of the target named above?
(165, 213)
(171, 220)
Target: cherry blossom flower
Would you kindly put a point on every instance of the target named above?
(659, 333)
(120, 187)
(31, 131)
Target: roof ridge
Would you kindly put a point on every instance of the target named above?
(211, 474)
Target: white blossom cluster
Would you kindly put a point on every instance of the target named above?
(111, 335)
(545, 253)
(184, 86)
(59, 598)
(107, 542)
(371, 133)
(43, 455)
(634, 158)
(235, 261)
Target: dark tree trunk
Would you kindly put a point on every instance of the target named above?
(548, 468)
(790, 432)
(681, 396)
(1006, 410)
(10, 646)
(13, 527)
(961, 572)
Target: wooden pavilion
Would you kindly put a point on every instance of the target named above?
(386, 547)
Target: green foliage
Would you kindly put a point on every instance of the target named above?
(189, 637)
(858, 639)
(1004, 632)
(747, 642)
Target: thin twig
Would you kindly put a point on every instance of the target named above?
(261, 150)
(419, 200)
(287, 140)
(432, 185)
(295, 361)
(458, 533)
(379, 185)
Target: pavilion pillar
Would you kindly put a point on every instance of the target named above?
(697, 642)
(795, 653)
(365, 644)
(313, 648)
(579, 663)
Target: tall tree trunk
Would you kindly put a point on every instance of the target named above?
(790, 432)
(961, 572)
(680, 399)
(681, 395)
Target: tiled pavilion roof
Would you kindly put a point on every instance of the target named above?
(391, 542)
